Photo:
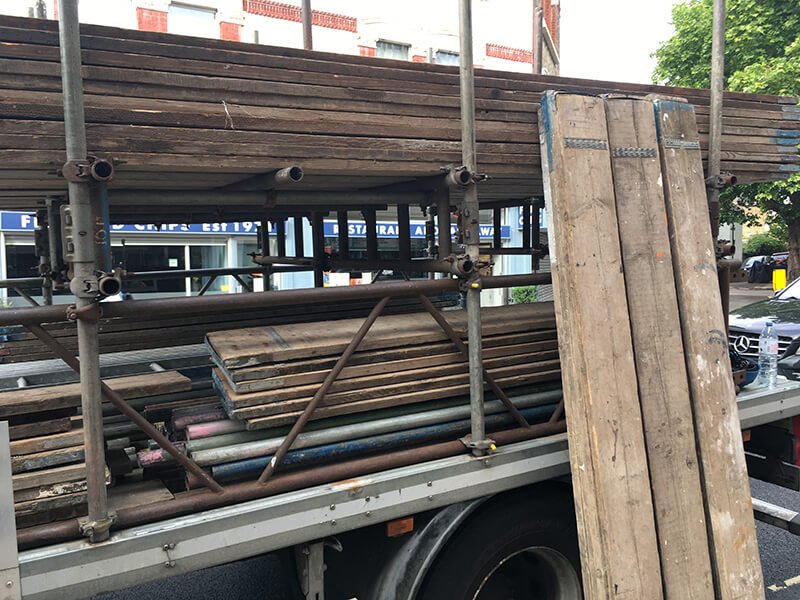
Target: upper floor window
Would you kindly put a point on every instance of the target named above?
(392, 50)
(445, 57)
(185, 19)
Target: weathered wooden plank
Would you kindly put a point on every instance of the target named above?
(35, 479)
(50, 491)
(658, 350)
(250, 347)
(619, 551)
(389, 378)
(44, 505)
(735, 560)
(425, 361)
(282, 369)
(32, 400)
(49, 442)
(27, 430)
(396, 400)
(248, 409)
(44, 460)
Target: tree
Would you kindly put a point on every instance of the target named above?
(762, 55)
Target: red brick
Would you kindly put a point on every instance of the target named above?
(151, 20)
(366, 51)
(289, 12)
(230, 31)
(508, 53)
(419, 58)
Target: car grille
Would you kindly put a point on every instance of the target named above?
(752, 343)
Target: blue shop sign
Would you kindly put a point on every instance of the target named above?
(17, 221)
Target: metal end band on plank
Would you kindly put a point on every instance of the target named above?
(634, 152)
(585, 143)
(681, 144)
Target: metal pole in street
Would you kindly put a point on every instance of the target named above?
(715, 143)
(79, 232)
(471, 222)
(307, 17)
(715, 129)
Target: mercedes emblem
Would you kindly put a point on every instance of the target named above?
(742, 344)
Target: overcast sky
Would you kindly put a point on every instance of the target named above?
(613, 39)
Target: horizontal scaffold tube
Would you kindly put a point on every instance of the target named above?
(196, 501)
(249, 468)
(195, 305)
(266, 446)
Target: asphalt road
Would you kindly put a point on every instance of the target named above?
(743, 293)
(780, 550)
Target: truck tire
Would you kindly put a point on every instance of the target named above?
(519, 546)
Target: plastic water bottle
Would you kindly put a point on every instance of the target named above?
(768, 356)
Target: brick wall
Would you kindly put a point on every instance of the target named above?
(508, 53)
(151, 20)
(230, 31)
(288, 12)
(552, 16)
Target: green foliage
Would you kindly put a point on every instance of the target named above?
(525, 295)
(756, 32)
(762, 55)
(763, 244)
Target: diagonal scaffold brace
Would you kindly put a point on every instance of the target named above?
(323, 390)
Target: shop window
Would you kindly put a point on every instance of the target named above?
(208, 257)
(151, 258)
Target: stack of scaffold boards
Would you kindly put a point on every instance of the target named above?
(405, 366)
(47, 456)
(190, 113)
(126, 334)
(661, 488)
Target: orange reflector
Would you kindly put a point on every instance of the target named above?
(399, 527)
(746, 435)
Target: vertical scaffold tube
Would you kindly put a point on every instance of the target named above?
(84, 279)
(471, 220)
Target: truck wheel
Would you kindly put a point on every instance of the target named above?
(520, 547)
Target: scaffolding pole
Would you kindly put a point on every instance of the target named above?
(306, 16)
(84, 285)
(470, 213)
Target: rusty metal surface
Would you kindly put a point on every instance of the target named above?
(195, 501)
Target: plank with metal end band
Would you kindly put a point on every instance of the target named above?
(729, 513)
(619, 551)
(657, 348)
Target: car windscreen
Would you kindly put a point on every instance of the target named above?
(790, 292)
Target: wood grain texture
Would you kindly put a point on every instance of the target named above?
(616, 526)
(47, 442)
(205, 106)
(658, 350)
(735, 559)
(254, 346)
(34, 400)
